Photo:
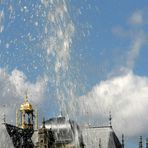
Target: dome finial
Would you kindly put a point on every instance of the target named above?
(110, 119)
(26, 95)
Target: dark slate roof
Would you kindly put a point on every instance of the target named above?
(62, 129)
(65, 131)
(20, 137)
(103, 136)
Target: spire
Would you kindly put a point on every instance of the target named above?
(146, 142)
(122, 140)
(110, 119)
(43, 122)
(140, 142)
(26, 96)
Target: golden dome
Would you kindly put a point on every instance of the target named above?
(26, 106)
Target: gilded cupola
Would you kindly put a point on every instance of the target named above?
(25, 115)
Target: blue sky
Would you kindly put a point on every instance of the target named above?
(101, 41)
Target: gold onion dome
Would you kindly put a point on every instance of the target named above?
(26, 106)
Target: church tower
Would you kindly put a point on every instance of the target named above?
(45, 138)
(21, 133)
(25, 115)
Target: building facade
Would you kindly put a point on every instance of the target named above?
(57, 132)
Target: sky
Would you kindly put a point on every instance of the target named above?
(81, 59)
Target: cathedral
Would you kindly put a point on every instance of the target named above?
(57, 132)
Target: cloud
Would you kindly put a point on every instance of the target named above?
(138, 41)
(12, 89)
(136, 36)
(35, 90)
(136, 18)
(124, 93)
(126, 96)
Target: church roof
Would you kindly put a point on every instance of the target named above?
(103, 137)
(63, 128)
(58, 122)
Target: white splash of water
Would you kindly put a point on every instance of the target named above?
(1, 21)
(60, 30)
